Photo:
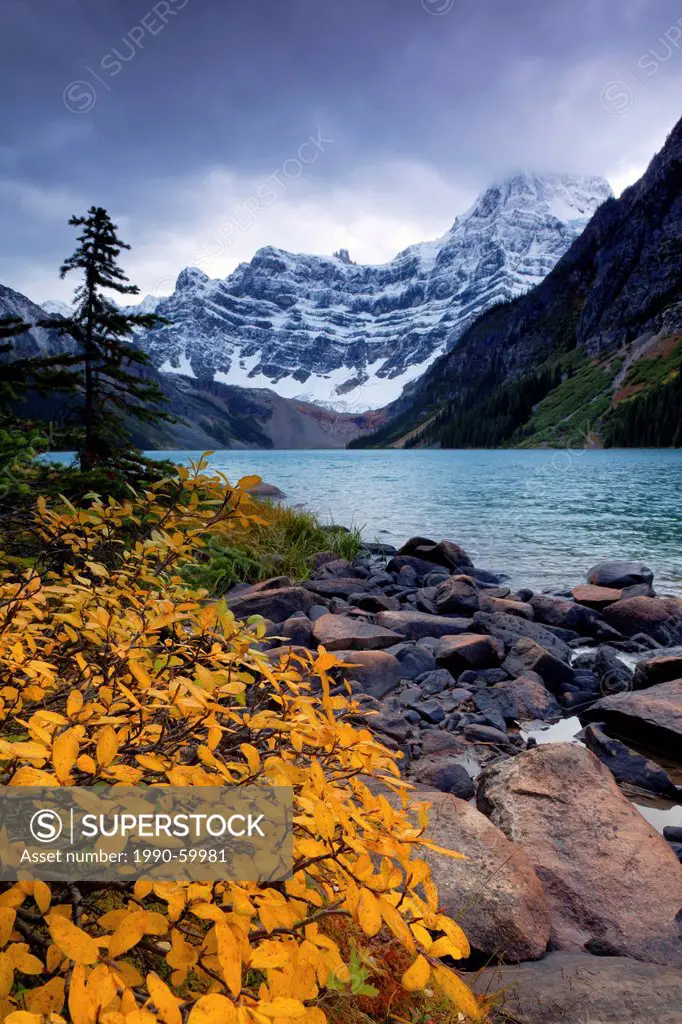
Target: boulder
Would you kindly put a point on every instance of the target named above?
(338, 568)
(419, 568)
(298, 629)
(627, 766)
(510, 628)
(456, 596)
(524, 699)
(614, 676)
(469, 651)
(414, 660)
(276, 603)
(528, 656)
(374, 603)
(265, 490)
(618, 575)
(339, 632)
(415, 625)
(435, 681)
(657, 617)
(495, 894)
(445, 552)
(576, 988)
(596, 597)
(486, 734)
(342, 586)
(557, 611)
(651, 718)
(611, 881)
(506, 607)
(652, 671)
(377, 672)
(445, 774)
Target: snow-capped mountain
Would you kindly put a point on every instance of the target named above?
(349, 336)
(148, 305)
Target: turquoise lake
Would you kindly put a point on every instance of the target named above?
(543, 517)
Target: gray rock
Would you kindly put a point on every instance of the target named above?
(415, 625)
(613, 675)
(445, 774)
(377, 672)
(341, 587)
(555, 611)
(619, 574)
(673, 833)
(469, 651)
(524, 699)
(444, 552)
(486, 734)
(652, 671)
(528, 656)
(298, 629)
(456, 596)
(657, 617)
(576, 988)
(430, 710)
(414, 659)
(510, 628)
(627, 766)
(374, 602)
(650, 718)
(278, 603)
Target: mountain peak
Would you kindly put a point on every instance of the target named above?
(325, 329)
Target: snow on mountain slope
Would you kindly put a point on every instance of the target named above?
(348, 336)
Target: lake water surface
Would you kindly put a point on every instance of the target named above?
(543, 517)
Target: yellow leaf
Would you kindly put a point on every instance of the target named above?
(446, 947)
(6, 975)
(73, 941)
(457, 992)
(252, 756)
(81, 1009)
(32, 777)
(417, 975)
(167, 1006)
(7, 918)
(128, 933)
(42, 896)
(107, 746)
(229, 957)
(369, 913)
(282, 1007)
(441, 849)
(25, 961)
(49, 998)
(64, 754)
(22, 1017)
(213, 1009)
(74, 703)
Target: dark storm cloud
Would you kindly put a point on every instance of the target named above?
(174, 113)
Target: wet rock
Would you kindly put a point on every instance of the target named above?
(456, 596)
(609, 878)
(469, 651)
(576, 988)
(377, 672)
(650, 718)
(510, 628)
(277, 603)
(419, 568)
(619, 574)
(627, 766)
(494, 894)
(444, 552)
(415, 625)
(673, 833)
(657, 617)
(653, 671)
(596, 597)
(528, 656)
(555, 611)
(613, 675)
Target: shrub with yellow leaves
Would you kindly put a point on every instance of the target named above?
(113, 670)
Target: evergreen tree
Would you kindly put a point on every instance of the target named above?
(114, 386)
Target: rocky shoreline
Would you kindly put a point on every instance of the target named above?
(456, 668)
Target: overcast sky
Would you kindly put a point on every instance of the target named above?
(209, 128)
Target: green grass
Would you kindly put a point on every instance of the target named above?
(283, 547)
(572, 410)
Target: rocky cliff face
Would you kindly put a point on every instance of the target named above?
(618, 288)
(352, 336)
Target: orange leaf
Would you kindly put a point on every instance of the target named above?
(73, 941)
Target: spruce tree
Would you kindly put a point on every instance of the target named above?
(115, 390)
